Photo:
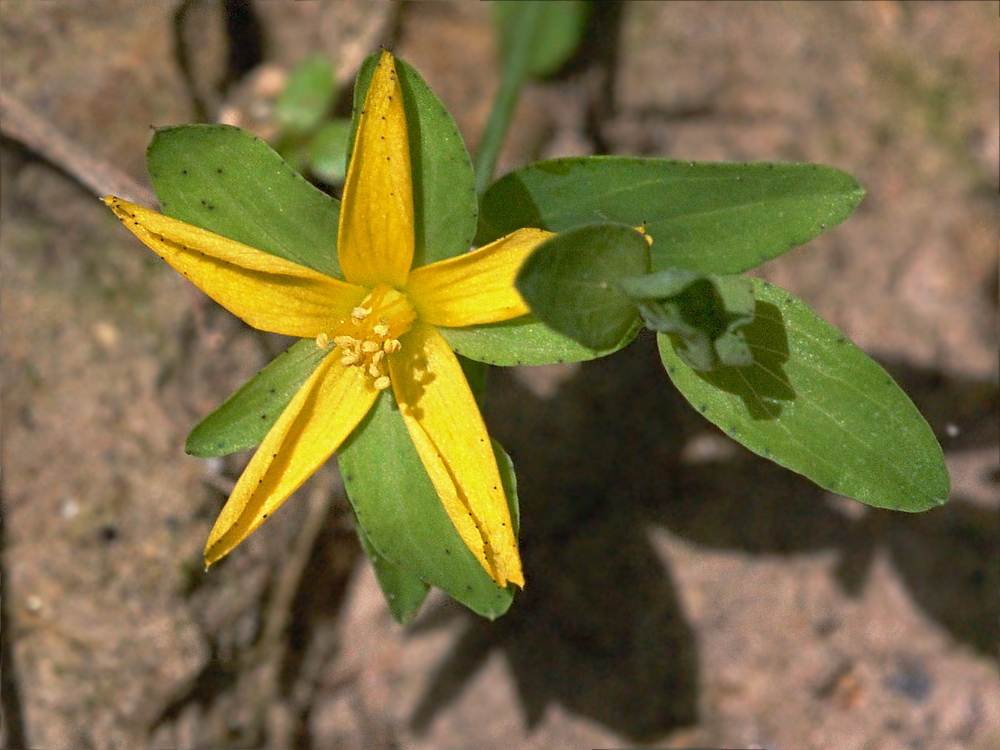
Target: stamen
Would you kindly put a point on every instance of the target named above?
(323, 341)
(371, 333)
(344, 341)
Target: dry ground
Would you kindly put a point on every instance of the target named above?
(682, 592)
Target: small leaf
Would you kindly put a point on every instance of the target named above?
(571, 282)
(403, 518)
(705, 313)
(404, 593)
(816, 404)
(444, 194)
(230, 182)
(558, 32)
(712, 218)
(307, 96)
(328, 151)
(244, 418)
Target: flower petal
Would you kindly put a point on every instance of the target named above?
(268, 292)
(477, 287)
(447, 429)
(319, 418)
(376, 237)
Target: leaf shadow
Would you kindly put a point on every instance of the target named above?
(599, 629)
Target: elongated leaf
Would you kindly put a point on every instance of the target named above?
(816, 404)
(400, 513)
(444, 194)
(525, 341)
(571, 282)
(244, 418)
(713, 218)
(405, 593)
(704, 313)
(230, 182)
(307, 96)
(558, 33)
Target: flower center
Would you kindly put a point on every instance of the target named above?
(371, 334)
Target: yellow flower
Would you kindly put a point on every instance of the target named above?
(380, 327)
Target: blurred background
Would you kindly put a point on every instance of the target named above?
(681, 592)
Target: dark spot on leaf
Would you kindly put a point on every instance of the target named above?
(218, 170)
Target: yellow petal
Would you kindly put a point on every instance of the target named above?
(268, 292)
(375, 240)
(477, 287)
(443, 420)
(319, 418)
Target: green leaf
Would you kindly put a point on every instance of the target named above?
(558, 32)
(571, 282)
(307, 96)
(405, 593)
(816, 404)
(328, 151)
(712, 218)
(705, 313)
(401, 514)
(244, 418)
(444, 194)
(525, 341)
(230, 182)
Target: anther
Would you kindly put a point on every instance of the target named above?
(344, 341)
(390, 346)
(381, 329)
(382, 383)
(323, 341)
(370, 347)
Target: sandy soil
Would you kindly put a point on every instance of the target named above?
(682, 591)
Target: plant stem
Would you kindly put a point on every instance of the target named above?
(515, 69)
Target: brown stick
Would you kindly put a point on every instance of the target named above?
(39, 135)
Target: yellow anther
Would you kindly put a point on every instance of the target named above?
(323, 341)
(377, 358)
(381, 329)
(374, 370)
(390, 346)
(350, 358)
(382, 383)
(360, 313)
(345, 341)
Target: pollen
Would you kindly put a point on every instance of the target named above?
(370, 334)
